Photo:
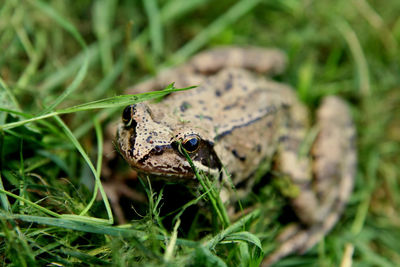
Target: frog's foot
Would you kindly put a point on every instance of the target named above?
(321, 200)
(261, 60)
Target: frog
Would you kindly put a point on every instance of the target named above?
(237, 118)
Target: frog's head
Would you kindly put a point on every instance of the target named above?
(151, 142)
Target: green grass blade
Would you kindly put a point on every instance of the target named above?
(48, 10)
(156, 34)
(77, 225)
(211, 192)
(91, 54)
(244, 237)
(233, 228)
(3, 198)
(78, 146)
(110, 102)
(30, 203)
(71, 88)
(121, 100)
(173, 9)
(233, 14)
(358, 54)
(100, 141)
(103, 17)
(74, 32)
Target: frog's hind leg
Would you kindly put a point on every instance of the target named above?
(323, 198)
(261, 60)
(334, 164)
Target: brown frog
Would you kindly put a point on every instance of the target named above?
(237, 118)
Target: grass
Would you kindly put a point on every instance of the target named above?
(63, 63)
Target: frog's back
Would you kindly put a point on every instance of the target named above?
(237, 110)
(231, 98)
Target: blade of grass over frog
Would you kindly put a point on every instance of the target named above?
(156, 34)
(216, 27)
(233, 228)
(213, 196)
(110, 102)
(78, 146)
(99, 135)
(44, 7)
(122, 100)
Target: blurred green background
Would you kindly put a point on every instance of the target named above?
(56, 54)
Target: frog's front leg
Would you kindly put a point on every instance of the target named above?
(322, 197)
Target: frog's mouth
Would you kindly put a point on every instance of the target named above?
(166, 160)
(167, 163)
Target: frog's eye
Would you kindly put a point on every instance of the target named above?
(127, 114)
(191, 143)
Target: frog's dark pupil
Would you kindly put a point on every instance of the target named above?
(127, 113)
(191, 144)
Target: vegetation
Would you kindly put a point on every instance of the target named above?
(63, 62)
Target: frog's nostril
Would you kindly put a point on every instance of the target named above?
(128, 113)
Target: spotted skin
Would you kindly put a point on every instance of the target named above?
(241, 119)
